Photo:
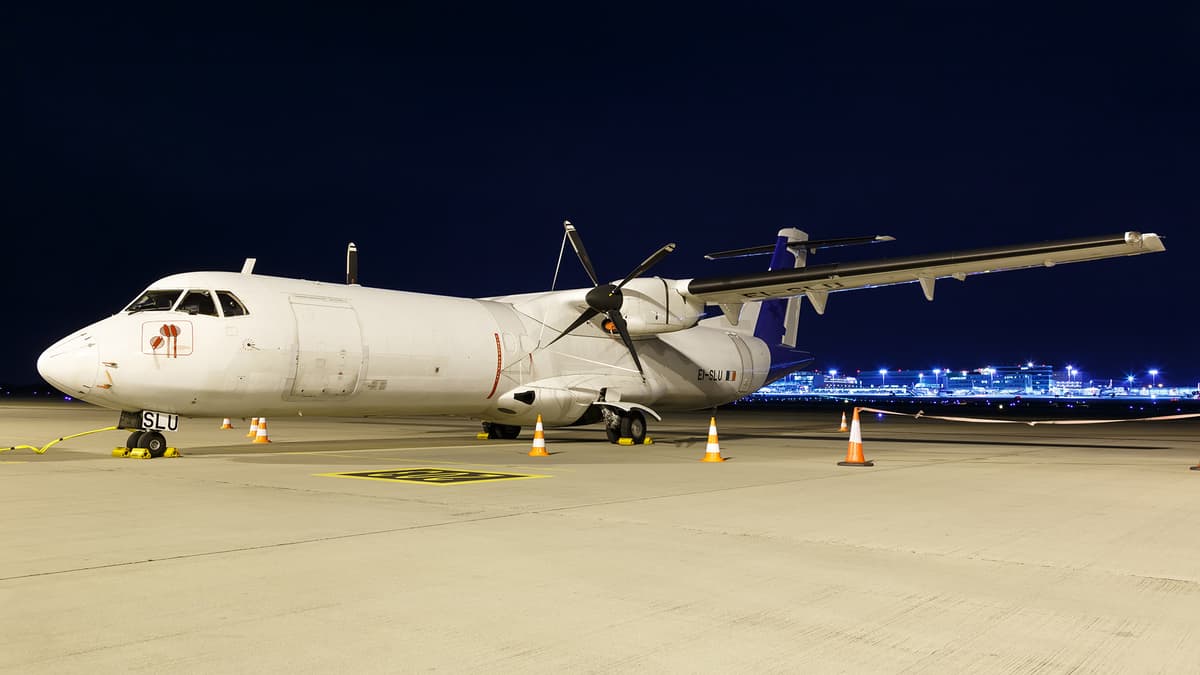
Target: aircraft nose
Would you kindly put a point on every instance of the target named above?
(70, 364)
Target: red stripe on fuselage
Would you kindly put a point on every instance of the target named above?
(499, 363)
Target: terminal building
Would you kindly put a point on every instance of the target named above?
(1021, 379)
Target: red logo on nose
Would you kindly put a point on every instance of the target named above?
(171, 332)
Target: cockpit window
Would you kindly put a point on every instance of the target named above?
(230, 305)
(198, 302)
(154, 301)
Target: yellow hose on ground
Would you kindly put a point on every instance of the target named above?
(42, 450)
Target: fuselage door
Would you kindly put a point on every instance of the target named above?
(329, 349)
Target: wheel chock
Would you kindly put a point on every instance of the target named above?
(172, 452)
(139, 453)
(482, 436)
(647, 441)
(624, 441)
(120, 452)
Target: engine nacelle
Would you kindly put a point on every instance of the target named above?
(652, 305)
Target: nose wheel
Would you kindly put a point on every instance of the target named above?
(153, 441)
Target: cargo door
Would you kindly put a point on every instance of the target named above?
(329, 348)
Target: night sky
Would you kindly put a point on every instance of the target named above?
(451, 143)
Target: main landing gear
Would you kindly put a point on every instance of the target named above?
(620, 425)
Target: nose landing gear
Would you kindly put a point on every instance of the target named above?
(146, 445)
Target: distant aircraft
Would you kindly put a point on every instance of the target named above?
(230, 344)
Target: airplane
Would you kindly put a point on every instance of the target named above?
(203, 344)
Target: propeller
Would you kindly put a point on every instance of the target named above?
(606, 299)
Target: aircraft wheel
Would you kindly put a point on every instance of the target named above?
(134, 439)
(633, 425)
(495, 430)
(155, 442)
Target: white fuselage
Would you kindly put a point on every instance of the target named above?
(316, 348)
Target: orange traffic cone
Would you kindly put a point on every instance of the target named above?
(539, 440)
(226, 424)
(253, 428)
(712, 451)
(261, 435)
(854, 452)
(843, 427)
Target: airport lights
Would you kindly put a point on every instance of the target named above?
(1153, 372)
(1129, 379)
(937, 374)
(883, 376)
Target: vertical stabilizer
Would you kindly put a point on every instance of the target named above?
(777, 322)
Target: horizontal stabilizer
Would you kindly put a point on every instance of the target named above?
(808, 245)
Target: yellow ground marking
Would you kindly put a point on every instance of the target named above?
(432, 447)
(432, 476)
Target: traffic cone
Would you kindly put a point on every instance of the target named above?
(843, 427)
(854, 452)
(712, 451)
(253, 428)
(226, 424)
(539, 440)
(261, 435)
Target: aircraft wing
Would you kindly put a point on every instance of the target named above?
(817, 282)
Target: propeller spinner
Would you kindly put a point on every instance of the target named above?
(607, 298)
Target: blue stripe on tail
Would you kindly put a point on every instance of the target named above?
(770, 325)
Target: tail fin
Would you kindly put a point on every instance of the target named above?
(776, 322)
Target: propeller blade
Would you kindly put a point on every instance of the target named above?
(577, 244)
(583, 318)
(619, 321)
(648, 263)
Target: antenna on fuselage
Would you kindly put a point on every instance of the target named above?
(248, 266)
(352, 265)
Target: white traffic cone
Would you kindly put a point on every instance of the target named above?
(539, 440)
(712, 451)
(261, 436)
(854, 452)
